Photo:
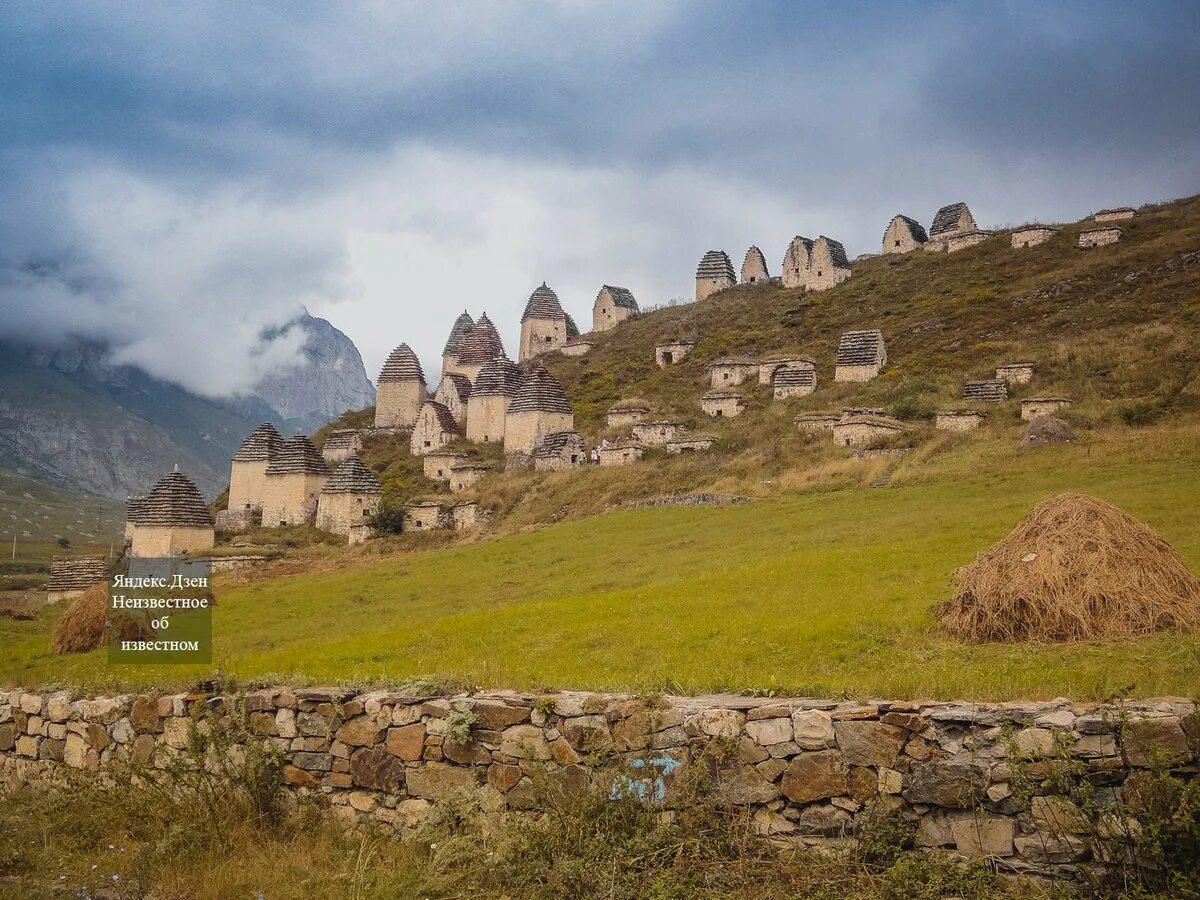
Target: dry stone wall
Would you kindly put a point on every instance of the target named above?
(806, 770)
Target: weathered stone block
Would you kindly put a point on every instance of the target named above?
(720, 723)
(1041, 847)
(503, 777)
(51, 749)
(524, 742)
(770, 731)
(472, 753)
(979, 836)
(8, 736)
(1144, 739)
(496, 716)
(823, 819)
(587, 733)
(744, 785)
(375, 768)
(869, 743)
(813, 729)
(815, 776)
(312, 762)
(953, 783)
(361, 731)
(1031, 743)
(435, 780)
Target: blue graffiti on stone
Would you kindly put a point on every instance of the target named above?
(652, 786)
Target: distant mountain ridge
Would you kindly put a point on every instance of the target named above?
(71, 418)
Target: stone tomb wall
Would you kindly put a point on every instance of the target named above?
(806, 770)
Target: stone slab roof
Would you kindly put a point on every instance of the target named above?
(837, 253)
(964, 413)
(754, 259)
(461, 328)
(915, 228)
(799, 251)
(342, 439)
(298, 456)
(733, 361)
(848, 411)
(722, 395)
(715, 264)
(781, 360)
(444, 454)
(817, 417)
(1098, 229)
(540, 392)
(860, 348)
(622, 297)
(352, 477)
(873, 421)
(572, 328)
(174, 501)
(1046, 400)
(554, 444)
(481, 344)
(990, 390)
(678, 343)
(499, 377)
(460, 383)
(791, 376)
(445, 418)
(261, 446)
(543, 304)
(401, 365)
(1017, 365)
(947, 218)
(623, 445)
(470, 467)
(1033, 226)
(1115, 209)
(633, 404)
(76, 573)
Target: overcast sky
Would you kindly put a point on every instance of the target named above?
(174, 177)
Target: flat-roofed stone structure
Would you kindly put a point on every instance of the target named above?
(848, 411)
(466, 514)
(730, 371)
(949, 221)
(796, 261)
(1113, 215)
(903, 235)
(400, 390)
(658, 433)
(857, 431)
(1016, 373)
(987, 390)
(621, 453)
(810, 422)
(715, 273)
(465, 475)
(690, 443)
(171, 520)
(861, 355)
(828, 265)
(722, 404)
(481, 345)
(340, 445)
(612, 307)
(543, 324)
(540, 408)
(458, 331)
(435, 427)
(294, 481)
(495, 386)
(70, 576)
(768, 367)
(962, 241)
(453, 392)
(561, 450)
(1031, 235)
(793, 381)
(425, 515)
(1099, 237)
(438, 463)
(627, 412)
(576, 348)
(672, 352)
(958, 419)
(1036, 407)
(248, 469)
(754, 267)
(349, 498)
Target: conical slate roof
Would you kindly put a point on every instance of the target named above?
(262, 445)
(543, 304)
(457, 383)
(572, 328)
(402, 365)
(352, 477)
(715, 264)
(622, 297)
(341, 439)
(174, 501)
(462, 326)
(498, 377)
(298, 457)
(481, 344)
(540, 392)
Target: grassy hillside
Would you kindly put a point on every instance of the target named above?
(821, 593)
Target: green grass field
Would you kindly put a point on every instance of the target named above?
(827, 592)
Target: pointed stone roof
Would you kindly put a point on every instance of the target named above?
(947, 218)
(352, 477)
(860, 348)
(572, 328)
(459, 383)
(445, 418)
(633, 404)
(543, 304)
(554, 444)
(837, 253)
(990, 390)
(481, 344)
(261, 446)
(401, 365)
(622, 297)
(715, 264)
(174, 502)
(298, 456)
(792, 376)
(342, 439)
(76, 573)
(540, 392)
(498, 377)
(462, 325)
(915, 229)
(754, 262)
(799, 251)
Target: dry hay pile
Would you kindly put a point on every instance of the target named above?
(1046, 430)
(82, 626)
(1076, 568)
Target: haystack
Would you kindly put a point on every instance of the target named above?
(83, 626)
(1044, 431)
(1076, 568)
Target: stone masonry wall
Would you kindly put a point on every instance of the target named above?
(805, 769)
